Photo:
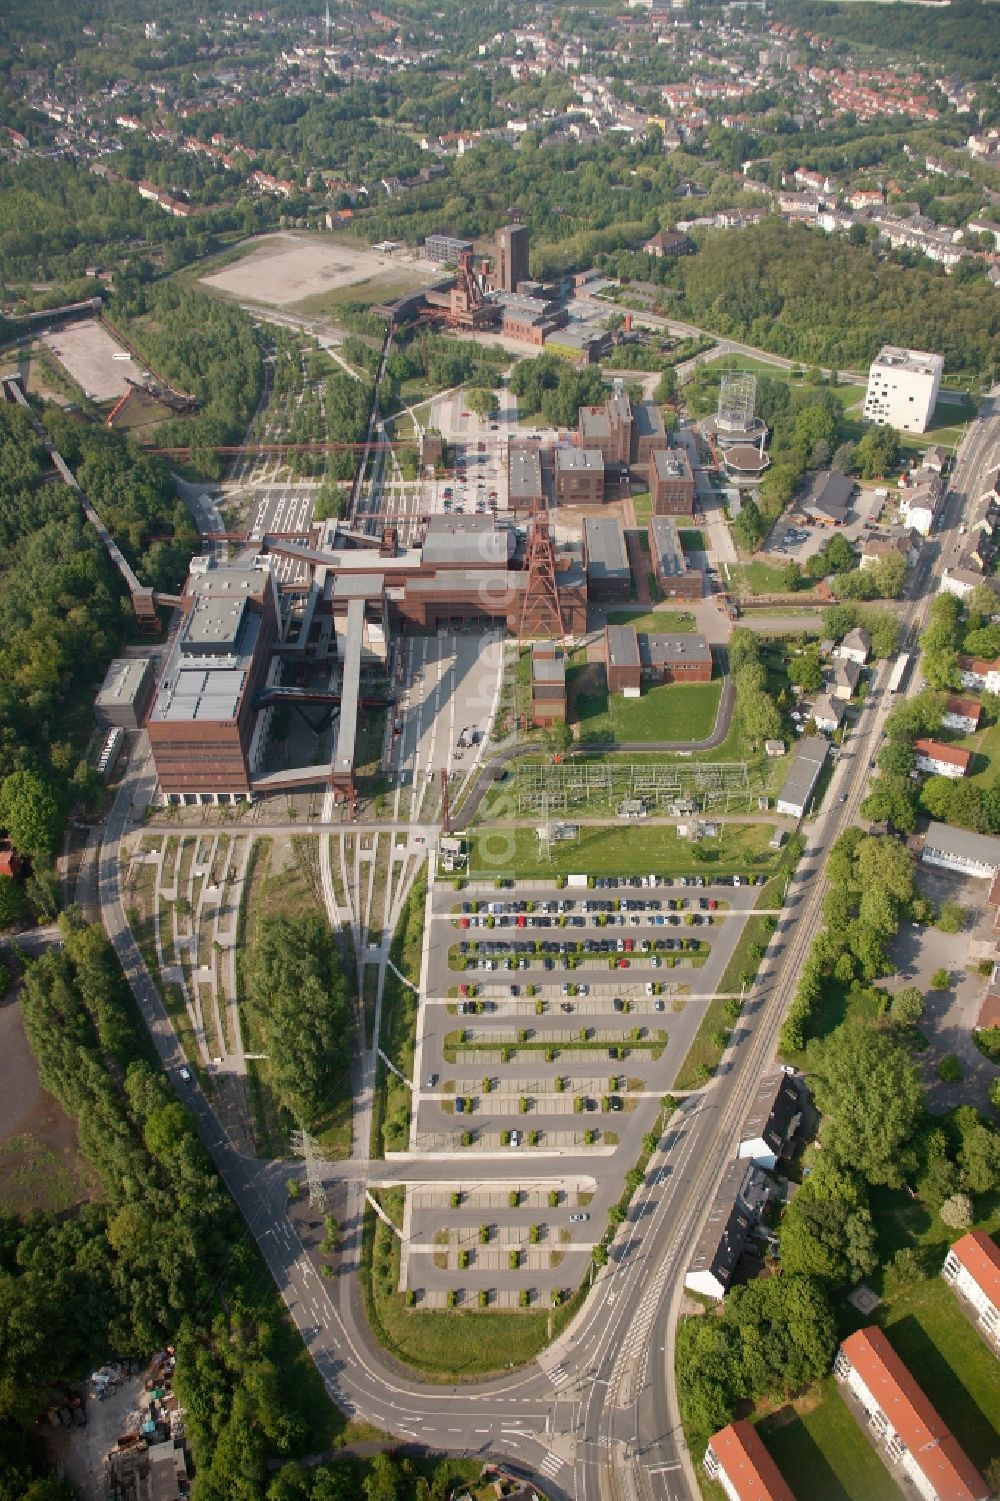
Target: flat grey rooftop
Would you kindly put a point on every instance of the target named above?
(606, 554)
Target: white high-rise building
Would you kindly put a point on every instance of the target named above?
(903, 387)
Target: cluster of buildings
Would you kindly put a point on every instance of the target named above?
(246, 645)
(980, 547)
(613, 442)
(878, 1388)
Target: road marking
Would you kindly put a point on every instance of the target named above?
(658, 1469)
(551, 1465)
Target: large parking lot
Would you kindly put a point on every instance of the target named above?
(552, 1023)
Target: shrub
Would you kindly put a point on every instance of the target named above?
(533, 1138)
(514, 1259)
(484, 1298)
(452, 1297)
(951, 917)
(514, 1198)
(949, 1069)
(588, 1138)
(553, 1198)
(534, 1234)
(463, 1260)
(505, 1138)
(941, 979)
(956, 1212)
(523, 1298)
(484, 1235)
(411, 1298)
(456, 1199)
(467, 1138)
(523, 1105)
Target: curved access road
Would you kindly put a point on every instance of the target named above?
(490, 769)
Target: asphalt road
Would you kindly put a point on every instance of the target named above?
(596, 1416)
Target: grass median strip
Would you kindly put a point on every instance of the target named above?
(712, 1035)
(400, 1004)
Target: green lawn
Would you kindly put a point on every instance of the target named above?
(692, 540)
(666, 622)
(633, 850)
(675, 711)
(642, 505)
(822, 1452)
(762, 578)
(985, 746)
(952, 1362)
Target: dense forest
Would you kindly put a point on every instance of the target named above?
(960, 35)
(202, 346)
(298, 1000)
(824, 301)
(163, 1256)
(62, 612)
(61, 616)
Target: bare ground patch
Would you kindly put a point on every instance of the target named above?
(40, 1164)
(283, 269)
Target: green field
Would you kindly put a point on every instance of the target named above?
(674, 711)
(642, 505)
(633, 850)
(762, 578)
(952, 1362)
(985, 747)
(823, 1453)
(376, 289)
(666, 622)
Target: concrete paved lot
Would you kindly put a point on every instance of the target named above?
(285, 268)
(948, 1014)
(449, 684)
(87, 351)
(486, 471)
(864, 509)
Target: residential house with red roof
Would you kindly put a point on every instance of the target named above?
(737, 1460)
(972, 1267)
(905, 1428)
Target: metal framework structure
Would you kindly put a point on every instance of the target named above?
(541, 610)
(737, 407)
(305, 1146)
(576, 784)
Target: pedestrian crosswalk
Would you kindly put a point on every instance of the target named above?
(551, 1465)
(560, 1377)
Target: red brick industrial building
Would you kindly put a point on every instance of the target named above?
(548, 683)
(202, 726)
(639, 659)
(671, 483)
